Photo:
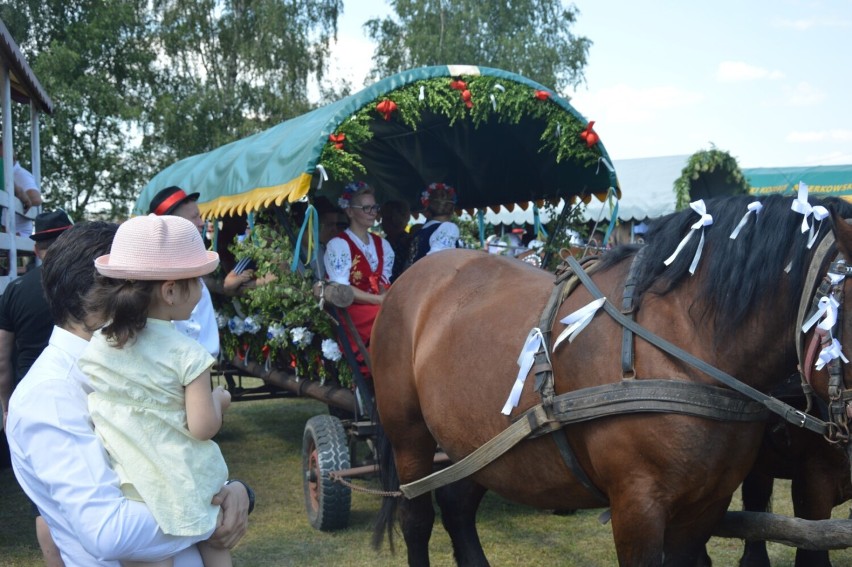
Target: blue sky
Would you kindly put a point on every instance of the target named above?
(769, 81)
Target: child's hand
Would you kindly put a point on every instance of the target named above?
(222, 396)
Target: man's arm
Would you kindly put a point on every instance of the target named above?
(7, 372)
(61, 464)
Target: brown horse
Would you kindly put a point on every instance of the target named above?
(445, 349)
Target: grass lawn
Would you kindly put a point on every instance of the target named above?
(262, 440)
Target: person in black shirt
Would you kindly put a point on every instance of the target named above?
(25, 322)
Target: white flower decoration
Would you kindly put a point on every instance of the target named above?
(251, 324)
(301, 336)
(236, 326)
(330, 350)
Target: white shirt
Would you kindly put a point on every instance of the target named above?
(445, 236)
(201, 324)
(338, 257)
(24, 181)
(62, 466)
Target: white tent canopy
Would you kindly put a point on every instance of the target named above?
(647, 191)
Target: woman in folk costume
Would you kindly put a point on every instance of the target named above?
(439, 232)
(360, 259)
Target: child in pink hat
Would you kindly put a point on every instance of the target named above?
(152, 404)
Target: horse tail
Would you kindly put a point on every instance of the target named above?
(390, 483)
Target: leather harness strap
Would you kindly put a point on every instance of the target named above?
(628, 308)
(787, 412)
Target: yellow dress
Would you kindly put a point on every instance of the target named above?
(139, 412)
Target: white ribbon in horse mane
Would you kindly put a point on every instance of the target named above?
(525, 362)
(829, 353)
(577, 321)
(753, 207)
(705, 220)
(804, 208)
(828, 307)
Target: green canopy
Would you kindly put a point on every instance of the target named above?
(497, 137)
(834, 180)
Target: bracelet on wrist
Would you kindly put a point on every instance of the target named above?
(249, 491)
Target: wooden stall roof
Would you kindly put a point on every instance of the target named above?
(25, 85)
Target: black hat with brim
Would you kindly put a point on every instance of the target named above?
(167, 200)
(50, 225)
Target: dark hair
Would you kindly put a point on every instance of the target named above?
(398, 212)
(125, 304)
(69, 270)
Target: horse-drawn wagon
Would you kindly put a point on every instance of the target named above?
(497, 137)
(657, 451)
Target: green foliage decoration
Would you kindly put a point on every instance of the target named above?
(705, 162)
(492, 98)
(267, 322)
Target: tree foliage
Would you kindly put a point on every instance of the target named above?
(94, 60)
(235, 67)
(138, 84)
(528, 37)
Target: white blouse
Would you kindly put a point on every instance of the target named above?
(338, 257)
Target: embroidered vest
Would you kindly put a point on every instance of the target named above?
(360, 274)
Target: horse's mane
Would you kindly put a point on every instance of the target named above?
(737, 276)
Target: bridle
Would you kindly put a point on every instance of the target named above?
(827, 305)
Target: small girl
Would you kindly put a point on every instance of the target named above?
(152, 404)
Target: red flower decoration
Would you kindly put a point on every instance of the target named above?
(466, 98)
(386, 108)
(337, 140)
(542, 95)
(590, 136)
(458, 85)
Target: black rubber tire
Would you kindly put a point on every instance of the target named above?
(325, 449)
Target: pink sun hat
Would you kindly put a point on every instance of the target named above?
(157, 248)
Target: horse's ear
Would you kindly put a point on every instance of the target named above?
(843, 234)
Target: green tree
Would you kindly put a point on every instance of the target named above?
(529, 37)
(139, 84)
(94, 60)
(235, 67)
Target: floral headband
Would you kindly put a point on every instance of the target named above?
(349, 192)
(449, 189)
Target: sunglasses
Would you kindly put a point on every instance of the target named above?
(369, 209)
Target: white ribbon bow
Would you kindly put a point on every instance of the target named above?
(753, 207)
(577, 321)
(829, 353)
(705, 220)
(804, 208)
(525, 362)
(827, 307)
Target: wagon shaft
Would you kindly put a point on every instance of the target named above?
(795, 532)
(331, 394)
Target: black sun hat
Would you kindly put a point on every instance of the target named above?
(168, 199)
(50, 225)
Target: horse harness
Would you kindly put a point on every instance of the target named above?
(739, 402)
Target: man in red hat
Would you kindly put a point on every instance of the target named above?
(201, 325)
(25, 327)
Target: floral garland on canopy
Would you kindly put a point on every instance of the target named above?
(475, 97)
(279, 323)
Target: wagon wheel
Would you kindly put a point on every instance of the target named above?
(325, 449)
